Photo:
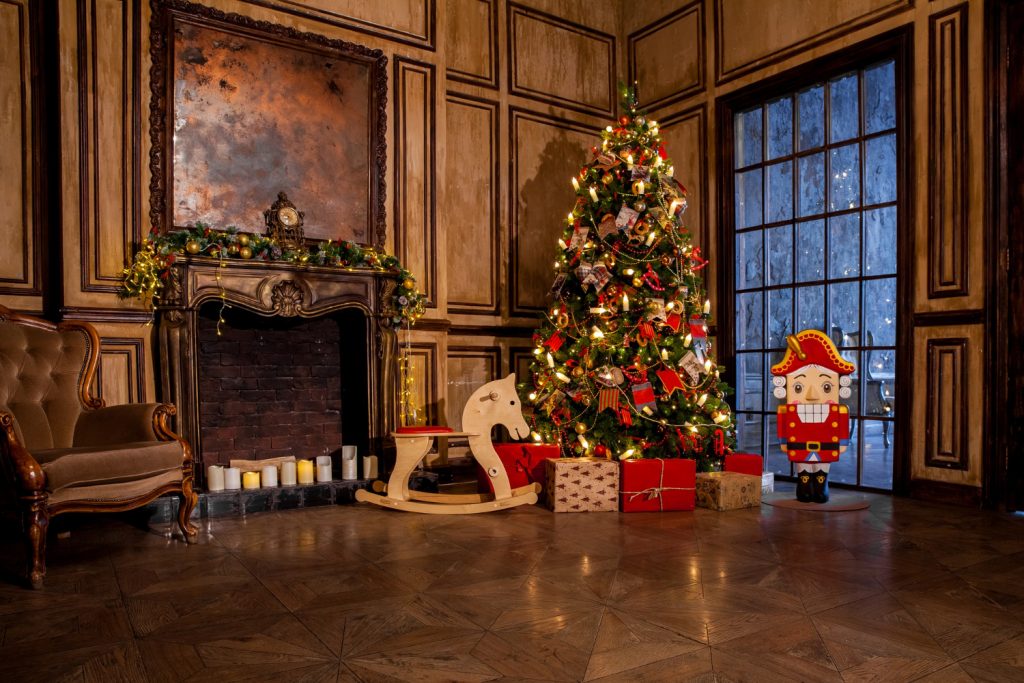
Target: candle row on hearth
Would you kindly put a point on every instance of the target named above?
(302, 472)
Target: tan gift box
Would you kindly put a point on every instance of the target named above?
(728, 490)
(582, 485)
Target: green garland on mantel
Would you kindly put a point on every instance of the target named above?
(144, 279)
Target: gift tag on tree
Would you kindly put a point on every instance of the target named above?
(606, 161)
(558, 285)
(579, 237)
(583, 271)
(600, 276)
(643, 398)
(692, 366)
(608, 398)
(640, 173)
(655, 309)
(626, 219)
(553, 400)
(607, 226)
(669, 380)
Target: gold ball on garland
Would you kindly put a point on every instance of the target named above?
(243, 239)
(192, 247)
(245, 252)
(666, 260)
(232, 250)
(607, 179)
(585, 401)
(577, 372)
(581, 428)
(409, 283)
(640, 206)
(637, 282)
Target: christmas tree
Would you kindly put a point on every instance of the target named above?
(622, 362)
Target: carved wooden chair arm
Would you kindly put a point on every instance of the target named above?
(29, 478)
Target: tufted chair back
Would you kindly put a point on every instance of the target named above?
(41, 375)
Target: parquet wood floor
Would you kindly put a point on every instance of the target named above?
(903, 591)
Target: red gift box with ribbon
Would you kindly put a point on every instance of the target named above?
(744, 463)
(657, 484)
(524, 464)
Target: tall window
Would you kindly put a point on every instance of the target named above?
(815, 182)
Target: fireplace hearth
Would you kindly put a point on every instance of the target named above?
(305, 359)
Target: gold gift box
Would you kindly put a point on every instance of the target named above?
(728, 490)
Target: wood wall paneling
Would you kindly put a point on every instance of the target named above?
(520, 358)
(548, 152)
(948, 226)
(945, 430)
(666, 58)
(752, 34)
(471, 41)
(412, 22)
(108, 84)
(469, 367)
(685, 137)
(415, 164)
(472, 225)
(560, 62)
(120, 374)
(20, 232)
(423, 369)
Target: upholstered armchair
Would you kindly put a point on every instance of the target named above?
(62, 451)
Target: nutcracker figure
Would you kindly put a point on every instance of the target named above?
(813, 428)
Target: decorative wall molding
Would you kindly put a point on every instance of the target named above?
(692, 13)
(693, 176)
(947, 416)
(970, 316)
(469, 66)
(519, 361)
(422, 36)
(130, 353)
(473, 227)
(108, 136)
(544, 235)
(948, 228)
(424, 355)
(724, 73)
(547, 82)
(460, 386)
(415, 164)
(20, 221)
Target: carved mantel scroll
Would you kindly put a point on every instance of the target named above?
(273, 289)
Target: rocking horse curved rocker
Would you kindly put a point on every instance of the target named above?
(492, 404)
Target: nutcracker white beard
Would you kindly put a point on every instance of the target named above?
(812, 412)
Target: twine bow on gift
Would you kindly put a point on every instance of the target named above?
(653, 492)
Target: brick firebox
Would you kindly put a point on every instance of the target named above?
(280, 386)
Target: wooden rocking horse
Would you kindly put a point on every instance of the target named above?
(492, 404)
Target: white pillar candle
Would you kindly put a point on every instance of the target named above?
(323, 468)
(349, 463)
(215, 478)
(288, 474)
(369, 467)
(268, 476)
(232, 478)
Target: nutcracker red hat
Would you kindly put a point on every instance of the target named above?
(812, 347)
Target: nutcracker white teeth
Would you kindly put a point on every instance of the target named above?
(812, 412)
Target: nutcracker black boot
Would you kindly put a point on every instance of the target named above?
(820, 487)
(804, 487)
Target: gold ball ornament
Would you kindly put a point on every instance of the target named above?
(243, 239)
(581, 428)
(577, 372)
(640, 206)
(192, 247)
(409, 283)
(232, 250)
(585, 401)
(607, 179)
(637, 282)
(666, 260)
(245, 252)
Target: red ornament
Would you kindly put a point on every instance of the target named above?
(661, 152)
(601, 451)
(623, 120)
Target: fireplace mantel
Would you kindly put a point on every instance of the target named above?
(273, 289)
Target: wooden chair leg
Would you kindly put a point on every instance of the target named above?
(37, 521)
(189, 498)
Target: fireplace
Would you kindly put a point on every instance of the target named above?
(304, 360)
(271, 387)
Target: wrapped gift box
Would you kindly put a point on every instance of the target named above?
(728, 490)
(656, 484)
(582, 485)
(524, 464)
(744, 463)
